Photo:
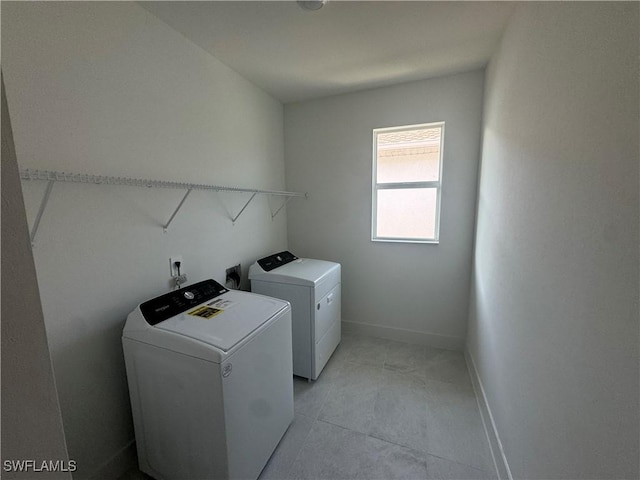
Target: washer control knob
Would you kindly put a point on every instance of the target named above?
(279, 258)
(189, 295)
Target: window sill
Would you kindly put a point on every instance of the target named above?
(404, 240)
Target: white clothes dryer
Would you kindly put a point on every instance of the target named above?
(313, 287)
(210, 381)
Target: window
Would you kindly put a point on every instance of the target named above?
(407, 179)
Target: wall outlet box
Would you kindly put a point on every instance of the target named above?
(233, 275)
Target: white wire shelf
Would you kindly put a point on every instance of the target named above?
(52, 177)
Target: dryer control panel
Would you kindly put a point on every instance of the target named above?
(174, 303)
(276, 260)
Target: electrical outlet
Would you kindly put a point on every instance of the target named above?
(174, 268)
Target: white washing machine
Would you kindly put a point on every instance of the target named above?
(313, 289)
(210, 381)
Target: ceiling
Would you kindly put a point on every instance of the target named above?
(296, 55)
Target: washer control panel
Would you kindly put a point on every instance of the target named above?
(276, 260)
(174, 303)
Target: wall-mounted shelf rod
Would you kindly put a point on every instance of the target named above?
(51, 176)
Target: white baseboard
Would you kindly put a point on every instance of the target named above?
(117, 465)
(409, 336)
(499, 458)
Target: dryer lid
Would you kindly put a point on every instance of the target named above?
(225, 320)
(303, 271)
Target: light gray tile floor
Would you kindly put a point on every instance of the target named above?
(383, 410)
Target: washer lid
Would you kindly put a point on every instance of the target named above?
(303, 271)
(225, 320)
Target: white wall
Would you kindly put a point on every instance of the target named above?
(416, 292)
(106, 88)
(554, 317)
(31, 421)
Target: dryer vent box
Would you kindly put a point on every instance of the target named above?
(233, 276)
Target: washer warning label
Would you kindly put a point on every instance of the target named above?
(205, 312)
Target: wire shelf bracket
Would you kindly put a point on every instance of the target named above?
(43, 205)
(51, 177)
(233, 219)
(273, 214)
(165, 228)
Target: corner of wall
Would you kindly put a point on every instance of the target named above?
(31, 419)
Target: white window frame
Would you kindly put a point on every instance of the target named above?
(399, 185)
